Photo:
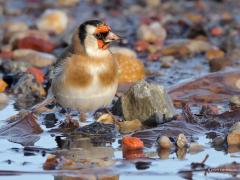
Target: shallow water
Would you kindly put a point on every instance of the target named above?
(13, 157)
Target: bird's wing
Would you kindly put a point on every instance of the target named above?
(57, 68)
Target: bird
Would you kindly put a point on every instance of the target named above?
(85, 76)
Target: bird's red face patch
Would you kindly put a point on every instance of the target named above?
(101, 31)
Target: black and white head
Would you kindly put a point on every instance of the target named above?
(95, 36)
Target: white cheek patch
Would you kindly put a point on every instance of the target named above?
(90, 29)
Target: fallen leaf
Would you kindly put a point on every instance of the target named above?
(22, 129)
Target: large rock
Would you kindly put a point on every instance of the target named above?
(147, 102)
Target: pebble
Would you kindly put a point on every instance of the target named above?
(35, 43)
(164, 153)
(233, 138)
(152, 32)
(195, 148)
(12, 27)
(68, 2)
(216, 31)
(234, 101)
(214, 54)
(3, 100)
(218, 141)
(53, 21)
(198, 46)
(164, 142)
(34, 58)
(219, 64)
(106, 119)
(14, 37)
(182, 141)
(153, 3)
(166, 65)
(130, 126)
(130, 68)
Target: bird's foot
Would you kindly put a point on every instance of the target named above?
(82, 117)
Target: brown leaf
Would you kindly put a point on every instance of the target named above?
(23, 130)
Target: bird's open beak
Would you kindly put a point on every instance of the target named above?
(111, 37)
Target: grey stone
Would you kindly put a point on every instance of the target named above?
(149, 103)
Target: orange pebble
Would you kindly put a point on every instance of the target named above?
(131, 69)
(38, 74)
(3, 85)
(132, 143)
(216, 31)
(133, 154)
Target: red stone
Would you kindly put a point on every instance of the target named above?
(6, 54)
(35, 43)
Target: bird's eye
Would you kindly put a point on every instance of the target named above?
(102, 35)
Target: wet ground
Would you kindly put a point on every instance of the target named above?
(102, 157)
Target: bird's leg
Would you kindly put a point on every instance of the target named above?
(82, 116)
(68, 116)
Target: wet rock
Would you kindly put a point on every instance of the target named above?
(216, 31)
(146, 102)
(166, 65)
(218, 141)
(130, 126)
(53, 21)
(98, 132)
(53, 162)
(3, 100)
(181, 153)
(195, 148)
(68, 2)
(152, 33)
(234, 102)
(198, 46)
(132, 143)
(106, 119)
(164, 153)
(219, 64)
(28, 91)
(13, 67)
(35, 43)
(13, 38)
(153, 3)
(182, 141)
(164, 142)
(133, 154)
(16, 26)
(233, 138)
(141, 46)
(141, 165)
(214, 54)
(235, 127)
(212, 124)
(186, 48)
(34, 58)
